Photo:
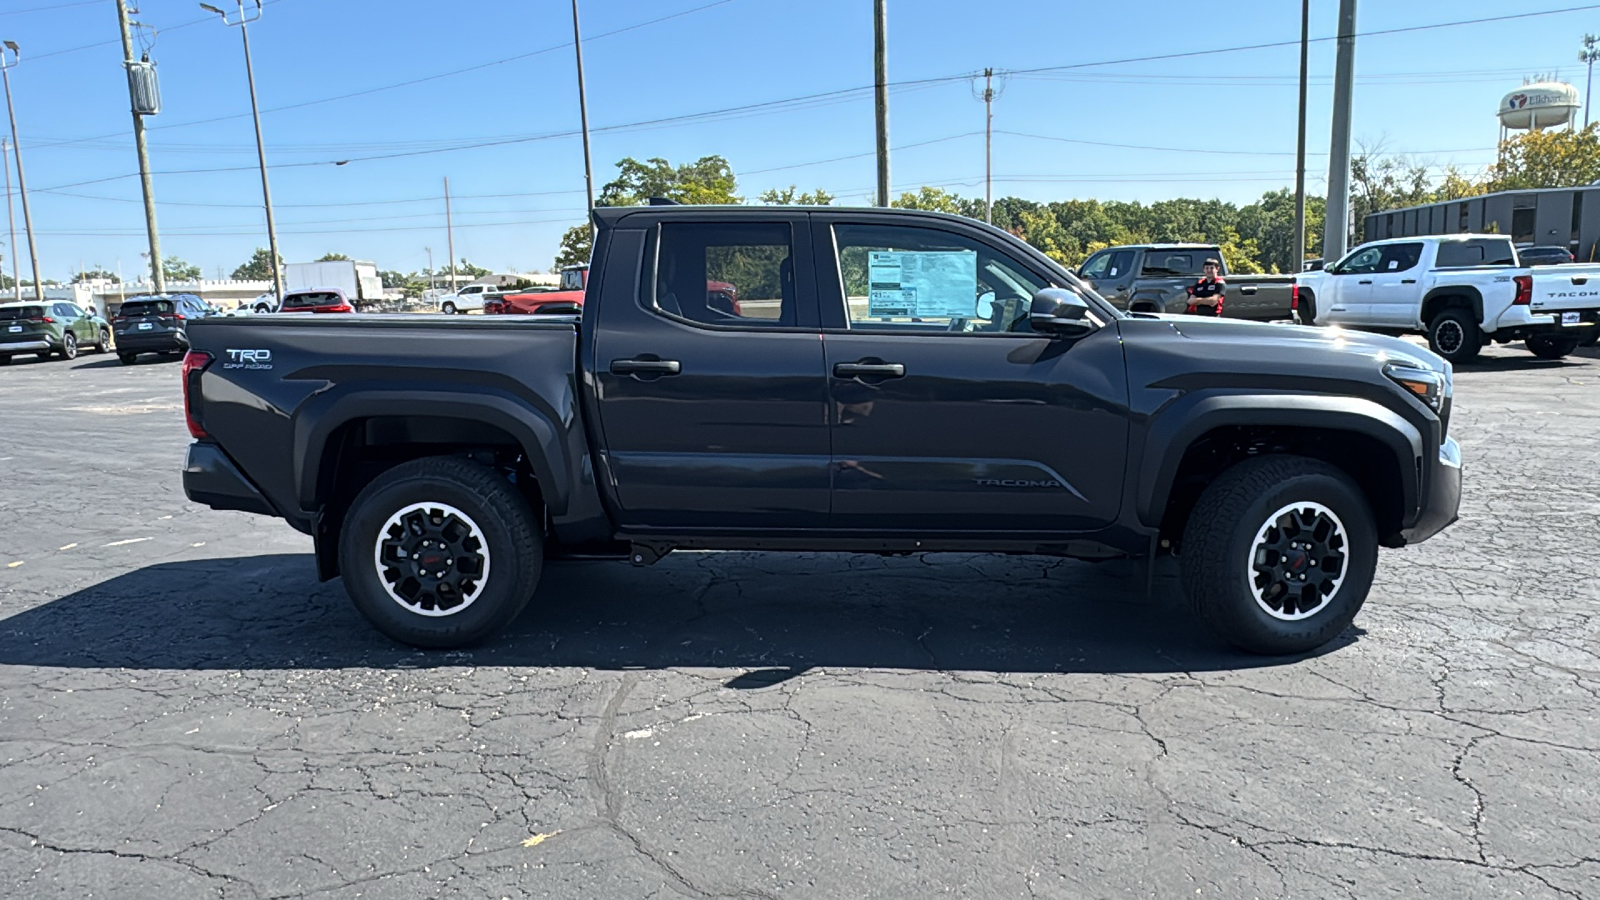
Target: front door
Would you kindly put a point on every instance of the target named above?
(1394, 299)
(1349, 287)
(949, 413)
(709, 374)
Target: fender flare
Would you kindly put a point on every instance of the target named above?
(1153, 298)
(1175, 429)
(1471, 293)
(317, 421)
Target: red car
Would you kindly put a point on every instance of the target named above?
(565, 299)
(317, 300)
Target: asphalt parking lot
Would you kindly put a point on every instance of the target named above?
(185, 712)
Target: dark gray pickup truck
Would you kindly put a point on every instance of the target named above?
(1155, 278)
(863, 380)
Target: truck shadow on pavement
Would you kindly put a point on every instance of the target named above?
(773, 616)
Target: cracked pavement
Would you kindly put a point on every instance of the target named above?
(185, 712)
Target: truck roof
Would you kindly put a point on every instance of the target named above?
(1435, 237)
(608, 216)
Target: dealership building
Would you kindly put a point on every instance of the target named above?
(1562, 217)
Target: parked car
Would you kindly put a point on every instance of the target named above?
(1156, 277)
(53, 327)
(320, 300)
(156, 323)
(262, 304)
(467, 298)
(1462, 291)
(567, 298)
(921, 382)
(1544, 256)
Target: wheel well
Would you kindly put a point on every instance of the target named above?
(362, 449)
(1368, 462)
(1149, 306)
(1438, 303)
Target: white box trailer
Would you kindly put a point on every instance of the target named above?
(357, 279)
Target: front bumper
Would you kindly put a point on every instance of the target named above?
(1442, 506)
(29, 346)
(210, 477)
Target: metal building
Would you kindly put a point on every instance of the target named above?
(1562, 217)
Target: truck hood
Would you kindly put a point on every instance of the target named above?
(1242, 335)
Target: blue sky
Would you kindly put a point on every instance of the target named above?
(1431, 93)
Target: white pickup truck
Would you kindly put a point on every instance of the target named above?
(1462, 291)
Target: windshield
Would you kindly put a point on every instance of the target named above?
(11, 313)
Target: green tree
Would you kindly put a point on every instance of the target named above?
(708, 180)
(1543, 159)
(395, 280)
(575, 246)
(465, 268)
(175, 269)
(258, 268)
(790, 196)
(96, 274)
(936, 199)
(333, 257)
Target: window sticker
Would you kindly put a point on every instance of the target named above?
(918, 283)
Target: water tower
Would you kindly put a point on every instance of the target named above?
(1539, 105)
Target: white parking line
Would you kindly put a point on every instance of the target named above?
(128, 541)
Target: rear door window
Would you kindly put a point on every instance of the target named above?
(726, 274)
(1174, 263)
(1476, 252)
(1399, 257)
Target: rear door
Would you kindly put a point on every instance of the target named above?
(714, 416)
(949, 413)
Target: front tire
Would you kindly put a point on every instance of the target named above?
(1454, 335)
(104, 343)
(440, 552)
(1279, 554)
(1551, 348)
(448, 309)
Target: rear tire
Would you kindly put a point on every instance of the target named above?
(1260, 551)
(5, 360)
(127, 358)
(69, 345)
(452, 513)
(1551, 348)
(1306, 314)
(1454, 335)
(1592, 339)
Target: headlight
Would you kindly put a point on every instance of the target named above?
(1431, 387)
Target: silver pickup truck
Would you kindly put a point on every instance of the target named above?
(1155, 278)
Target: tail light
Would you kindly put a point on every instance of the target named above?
(341, 308)
(1524, 290)
(1294, 296)
(42, 320)
(194, 363)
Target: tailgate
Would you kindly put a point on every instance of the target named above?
(1570, 287)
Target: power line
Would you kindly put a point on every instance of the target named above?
(18, 12)
(1046, 137)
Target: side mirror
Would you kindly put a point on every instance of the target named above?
(984, 309)
(1059, 312)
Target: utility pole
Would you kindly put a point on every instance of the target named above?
(157, 275)
(449, 234)
(11, 218)
(1587, 56)
(988, 145)
(583, 118)
(1336, 229)
(7, 63)
(243, 20)
(1300, 145)
(429, 251)
(880, 65)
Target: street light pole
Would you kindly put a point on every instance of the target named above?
(11, 218)
(243, 20)
(1587, 56)
(7, 63)
(157, 275)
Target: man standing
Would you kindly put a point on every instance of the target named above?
(1207, 294)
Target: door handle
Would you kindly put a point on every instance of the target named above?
(1365, 281)
(1577, 280)
(870, 370)
(645, 367)
(1408, 281)
(1248, 289)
